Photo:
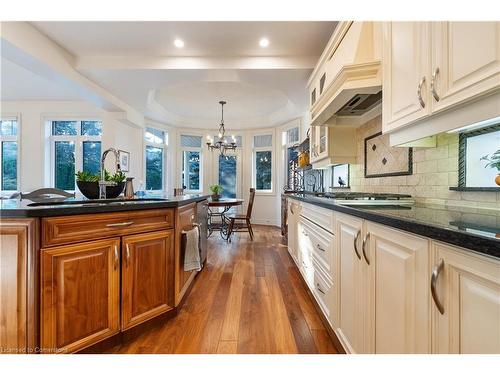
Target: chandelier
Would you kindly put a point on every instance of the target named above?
(222, 144)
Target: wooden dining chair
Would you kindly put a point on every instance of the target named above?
(242, 222)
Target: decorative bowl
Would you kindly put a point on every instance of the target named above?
(91, 189)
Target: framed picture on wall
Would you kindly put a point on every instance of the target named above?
(124, 160)
(340, 176)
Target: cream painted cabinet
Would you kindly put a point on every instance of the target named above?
(465, 61)
(406, 67)
(432, 66)
(319, 143)
(396, 269)
(350, 330)
(293, 222)
(332, 144)
(468, 289)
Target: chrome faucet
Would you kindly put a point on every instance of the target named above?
(103, 183)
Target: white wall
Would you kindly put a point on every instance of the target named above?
(32, 116)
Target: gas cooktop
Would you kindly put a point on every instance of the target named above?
(352, 198)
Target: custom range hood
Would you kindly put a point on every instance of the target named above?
(346, 85)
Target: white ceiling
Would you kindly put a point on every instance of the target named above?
(19, 83)
(200, 38)
(133, 61)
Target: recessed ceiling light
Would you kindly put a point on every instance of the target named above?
(179, 43)
(264, 42)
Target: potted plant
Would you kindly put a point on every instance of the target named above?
(216, 190)
(493, 162)
(88, 184)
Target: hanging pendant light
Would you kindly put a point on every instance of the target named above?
(222, 143)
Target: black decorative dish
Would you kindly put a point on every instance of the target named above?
(91, 189)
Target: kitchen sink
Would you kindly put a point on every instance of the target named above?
(94, 202)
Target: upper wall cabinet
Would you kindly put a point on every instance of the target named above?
(465, 61)
(406, 67)
(430, 67)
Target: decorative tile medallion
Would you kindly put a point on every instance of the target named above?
(382, 160)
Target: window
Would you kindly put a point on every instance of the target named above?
(9, 155)
(75, 145)
(474, 150)
(191, 162)
(155, 142)
(263, 162)
(228, 175)
(290, 154)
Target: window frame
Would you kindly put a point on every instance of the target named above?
(164, 147)
(254, 163)
(462, 153)
(12, 138)
(182, 149)
(78, 139)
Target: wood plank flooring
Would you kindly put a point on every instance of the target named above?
(248, 299)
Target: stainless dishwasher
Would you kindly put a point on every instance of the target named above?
(202, 215)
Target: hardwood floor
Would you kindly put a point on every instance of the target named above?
(248, 299)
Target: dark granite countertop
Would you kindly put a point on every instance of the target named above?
(473, 229)
(15, 208)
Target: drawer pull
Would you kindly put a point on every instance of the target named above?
(318, 246)
(435, 274)
(433, 85)
(319, 288)
(363, 247)
(128, 254)
(116, 258)
(356, 244)
(123, 224)
(419, 92)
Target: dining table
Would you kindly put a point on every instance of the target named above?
(214, 211)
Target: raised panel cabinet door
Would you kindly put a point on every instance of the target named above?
(292, 230)
(398, 298)
(465, 61)
(348, 233)
(80, 294)
(468, 288)
(17, 285)
(147, 276)
(406, 68)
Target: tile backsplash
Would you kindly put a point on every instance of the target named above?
(434, 171)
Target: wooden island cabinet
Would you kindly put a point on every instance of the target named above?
(69, 282)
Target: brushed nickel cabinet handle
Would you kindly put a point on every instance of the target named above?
(435, 274)
(318, 246)
(419, 92)
(433, 85)
(356, 244)
(123, 224)
(319, 288)
(128, 254)
(116, 258)
(363, 247)
(291, 209)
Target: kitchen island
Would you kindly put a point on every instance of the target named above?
(76, 272)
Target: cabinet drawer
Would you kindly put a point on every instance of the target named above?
(322, 290)
(78, 228)
(321, 245)
(318, 215)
